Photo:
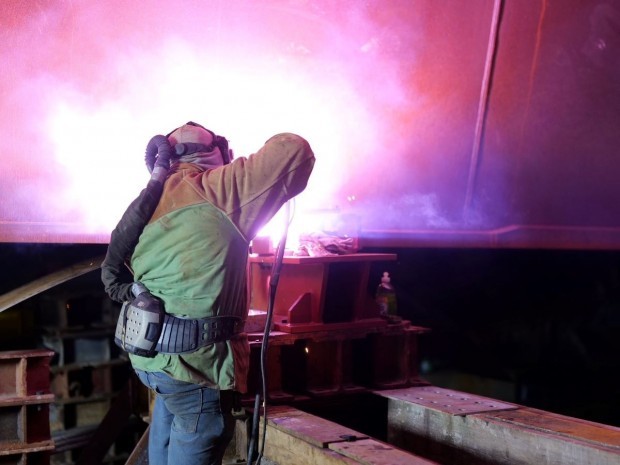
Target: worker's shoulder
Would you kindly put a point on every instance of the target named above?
(288, 138)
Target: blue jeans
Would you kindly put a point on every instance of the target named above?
(190, 424)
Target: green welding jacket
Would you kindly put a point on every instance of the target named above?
(193, 254)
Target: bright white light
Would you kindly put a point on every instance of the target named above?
(101, 148)
(90, 87)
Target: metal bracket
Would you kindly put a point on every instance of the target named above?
(447, 400)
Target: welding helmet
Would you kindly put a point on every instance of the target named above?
(190, 143)
(193, 138)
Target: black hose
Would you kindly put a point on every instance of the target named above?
(158, 153)
(124, 238)
(123, 241)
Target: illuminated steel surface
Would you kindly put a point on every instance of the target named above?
(470, 124)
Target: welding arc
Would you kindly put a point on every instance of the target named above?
(273, 286)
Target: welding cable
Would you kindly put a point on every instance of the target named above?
(273, 287)
(158, 153)
(254, 428)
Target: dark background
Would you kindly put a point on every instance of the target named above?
(535, 327)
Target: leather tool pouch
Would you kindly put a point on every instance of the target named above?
(140, 324)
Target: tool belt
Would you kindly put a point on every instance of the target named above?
(145, 329)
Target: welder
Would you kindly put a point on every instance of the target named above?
(186, 241)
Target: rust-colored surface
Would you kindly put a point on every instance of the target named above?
(373, 452)
(312, 429)
(447, 400)
(571, 428)
(317, 293)
(24, 402)
(346, 359)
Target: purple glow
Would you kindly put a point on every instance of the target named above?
(387, 93)
(92, 82)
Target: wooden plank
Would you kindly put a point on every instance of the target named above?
(284, 449)
(10, 448)
(447, 400)
(297, 437)
(26, 400)
(373, 452)
(570, 428)
(37, 286)
(140, 454)
(25, 353)
(510, 437)
(309, 428)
